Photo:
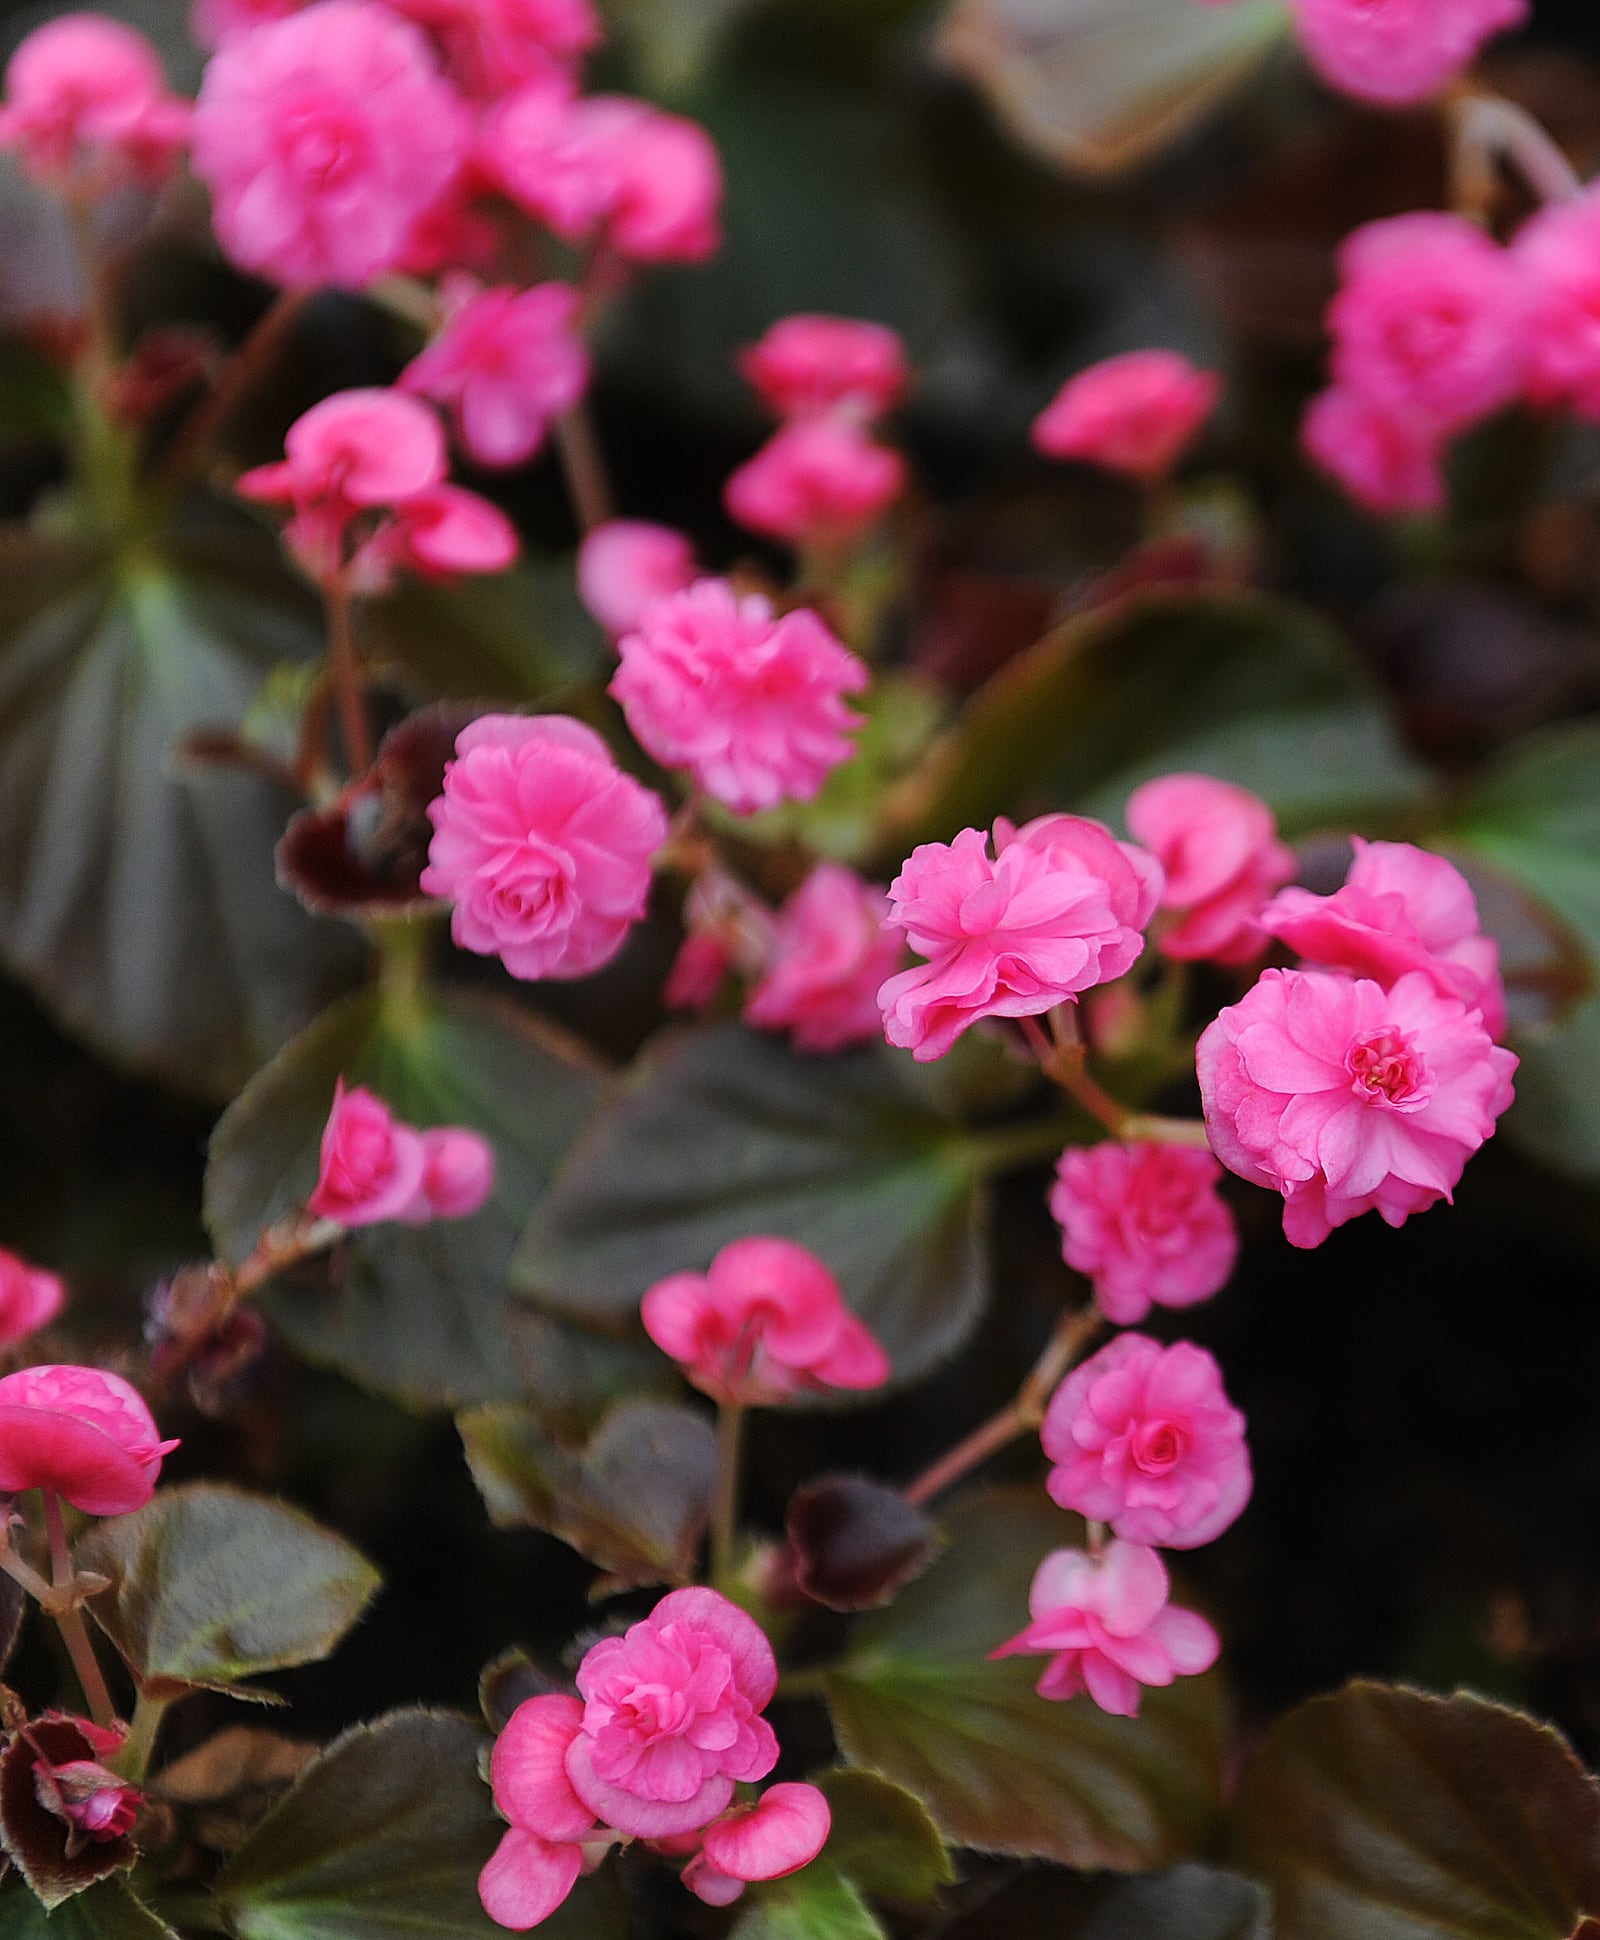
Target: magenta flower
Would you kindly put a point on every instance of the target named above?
(828, 953)
(1383, 458)
(99, 1806)
(626, 565)
(542, 845)
(1136, 414)
(1398, 51)
(325, 138)
(1145, 1439)
(751, 704)
(87, 106)
(782, 1831)
(1218, 847)
(765, 1321)
(537, 1862)
(372, 1165)
(817, 481)
(493, 46)
(1557, 254)
(30, 1298)
(1108, 1628)
(214, 21)
(1349, 1098)
(1060, 907)
(457, 1175)
(85, 1434)
(1145, 1224)
(810, 366)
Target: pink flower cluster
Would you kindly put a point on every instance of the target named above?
(1146, 1225)
(83, 1434)
(30, 1298)
(764, 1322)
(1135, 414)
(87, 108)
(1398, 51)
(667, 1722)
(374, 1168)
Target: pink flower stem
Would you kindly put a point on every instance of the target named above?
(345, 670)
(1491, 130)
(584, 468)
(725, 1501)
(248, 364)
(1063, 1059)
(64, 1607)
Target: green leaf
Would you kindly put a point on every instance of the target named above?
(105, 1912)
(140, 903)
(635, 1501)
(1379, 1813)
(882, 1838)
(1000, 1768)
(814, 1904)
(674, 41)
(210, 1585)
(1187, 1903)
(718, 1133)
(421, 1314)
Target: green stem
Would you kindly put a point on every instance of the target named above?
(148, 1713)
(69, 1618)
(725, 1503)
(403, 947)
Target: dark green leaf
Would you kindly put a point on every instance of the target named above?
(635, 1501)
(815, 1904)
(1188, 1903)
(106, 1912)
(210, 1585)
(673, 41)
(1379, 1813)
(882, 1838)
(999, 1767)
(720, 1133)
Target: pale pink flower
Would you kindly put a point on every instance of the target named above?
(1383, 458)
(809, 366)
(626, 565)
(1349, 1098)
(372, 1165)
(1136, 414)
(30, 1298)
(1108, 1629)
(816, 481)
(1218, 847)
(505, 364)
(751, 704)
(493, 46)
(765, 1321)
(85, 1434)
(542, 845)
(1060, 907)
(324, 139)
(1557, 254)
(457, 1174)
(829, 951)
(1400, 909)
(779, 1833)
(1430, 323)
(1398, 51)
(1144, 1438)
(214, 21)
(537, 1862)
(1145, 1223)
(87, 106)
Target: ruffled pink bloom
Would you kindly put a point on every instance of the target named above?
(505, 364)
(214, 21)
(1218, 846)
(626, 565)
(1397, 51)
(1384, 459)
(1060, 907)
(809, 366)
(324, 139)
(30, 1298)
(765, 1321)
(1108, 1628)
(1557, 255)
(1400, 909)
(816, 481)
(87, 105)
(1430, 323)
(1144, 1438)
(372, 1165)
(83, 1433)
(457, 1173)
(542, 845)
(751, 704)
(782, 1831)
(1145, 1223)
(829, 952)
(1136, 414)
(493, 46)
(1349, 1098)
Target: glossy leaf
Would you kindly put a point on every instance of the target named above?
(1187, 1903)
(106, 1912)
(1000, 1768)
(210, 1586)
(882, 1838)
(1379, 1813)
(718, 1133)
(815, 1904)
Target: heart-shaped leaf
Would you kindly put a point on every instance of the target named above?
(815, 1904)
(882, 1839)
(106, 1912)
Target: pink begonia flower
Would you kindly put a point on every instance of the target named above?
(1218, 846)
(1136, 414)
(87, 105)
(1108, 1628)
(1430, 322)
(83, 1433)
(457, 1174)
(542, 845)
(493, 46)
(98, 1805)
(816, 481)
(1557, 255)
(505, 364)
(455, 232)
(751, 704)
(782, 1831)
(829, 952)
(324, 138)
(1400, 909)
(214, 21)
(765, 1321)
(626, 565)
(1385, 460)
(726, 928)
(809, 366)
(1348, 1098)
(372, 1166)
(1145, 1223)
(30, 1298)
(537, 1862)
(1144, 1438)
(1060, 907)
(1398, 51)
(438, 534)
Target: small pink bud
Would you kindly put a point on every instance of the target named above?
(1134, 414)
(784, 1830)
(817, 481)
(808, 366)
(626, 565)
(30, 1298)
(100, 1805)
(372, 1165)
(458, 1172)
